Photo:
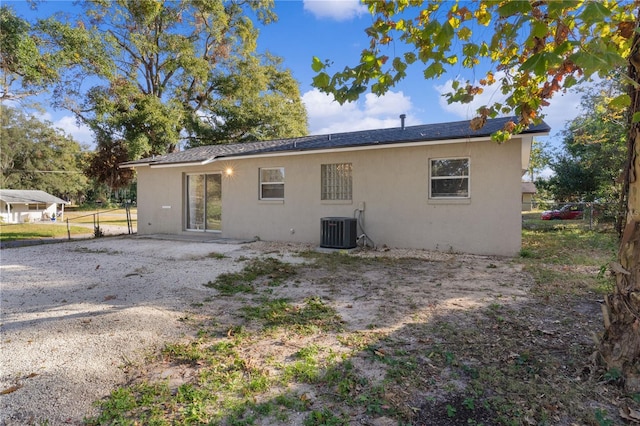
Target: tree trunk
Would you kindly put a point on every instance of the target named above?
(620, 344)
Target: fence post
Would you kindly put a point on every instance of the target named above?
(68, 230)
(127, 209)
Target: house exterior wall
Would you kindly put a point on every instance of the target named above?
(393, 184)
(21, 213)
(527, 202)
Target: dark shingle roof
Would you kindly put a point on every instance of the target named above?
(28, 196)
(397, 135)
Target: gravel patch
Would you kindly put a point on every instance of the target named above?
(73, 316)
(80, 318)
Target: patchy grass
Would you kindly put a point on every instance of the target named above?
(314, 315)
(58, 229)
(272, 271)
(295, 360)
(117, 217)
(34, 231)
(568, 260)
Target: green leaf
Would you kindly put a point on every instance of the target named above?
(563, 48)
(317, 65)
(613, 60)
(537, 63)
(410, 57)
(321, 80)
(601, 62)
(398, 65)
(470, 49)
(433, 70)
(586, 61)
(557, 8)
(444, 36)
(501, 136)
(368, 58)
(539, 29)
(510, 8)
(621, 101)
(484, 49)
(570, 81)
(464, 33)
(594, 11)
(636, 117)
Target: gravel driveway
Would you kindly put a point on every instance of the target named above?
(73, 314)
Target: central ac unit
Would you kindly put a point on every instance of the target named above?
(338, 232)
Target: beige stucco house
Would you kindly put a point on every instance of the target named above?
(528, 191)
(21, 205)
(436, 186)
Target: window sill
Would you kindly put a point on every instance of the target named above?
(336, 202)
(270, 201)
(461, 201)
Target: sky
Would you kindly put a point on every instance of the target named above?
(334, 29)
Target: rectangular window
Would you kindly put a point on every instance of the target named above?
(336, 181)
(272, 183)
(449, 178)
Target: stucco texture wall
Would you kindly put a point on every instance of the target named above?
(393, 184)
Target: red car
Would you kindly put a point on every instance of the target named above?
(568, 212)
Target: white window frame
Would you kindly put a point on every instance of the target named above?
(336, 184)
(432, 178)
(263, 183)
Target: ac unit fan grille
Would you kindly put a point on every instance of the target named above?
(338, 232)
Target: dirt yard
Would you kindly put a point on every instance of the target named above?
(81, 318)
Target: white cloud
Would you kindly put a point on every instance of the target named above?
(391, 102)
(562, 107)
(328, 116)
(339, 10)
(69, 125)
(80, 133)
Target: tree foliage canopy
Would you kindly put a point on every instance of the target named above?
(152, 73)
(24, 69)
(34, 155)
(594, 149)
(530, 49)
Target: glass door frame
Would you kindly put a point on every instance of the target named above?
(202, 194)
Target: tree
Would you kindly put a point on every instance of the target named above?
(536, 49)
(594, 149)
(539, 158)
(34, 155)
(149, 74)
(102, 166)
(25, 71)
(572, 181)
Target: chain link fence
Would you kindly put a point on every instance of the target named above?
(591, 214)
(105, 222)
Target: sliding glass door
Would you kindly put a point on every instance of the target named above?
(204, 202)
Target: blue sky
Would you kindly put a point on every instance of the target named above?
(334, 29)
